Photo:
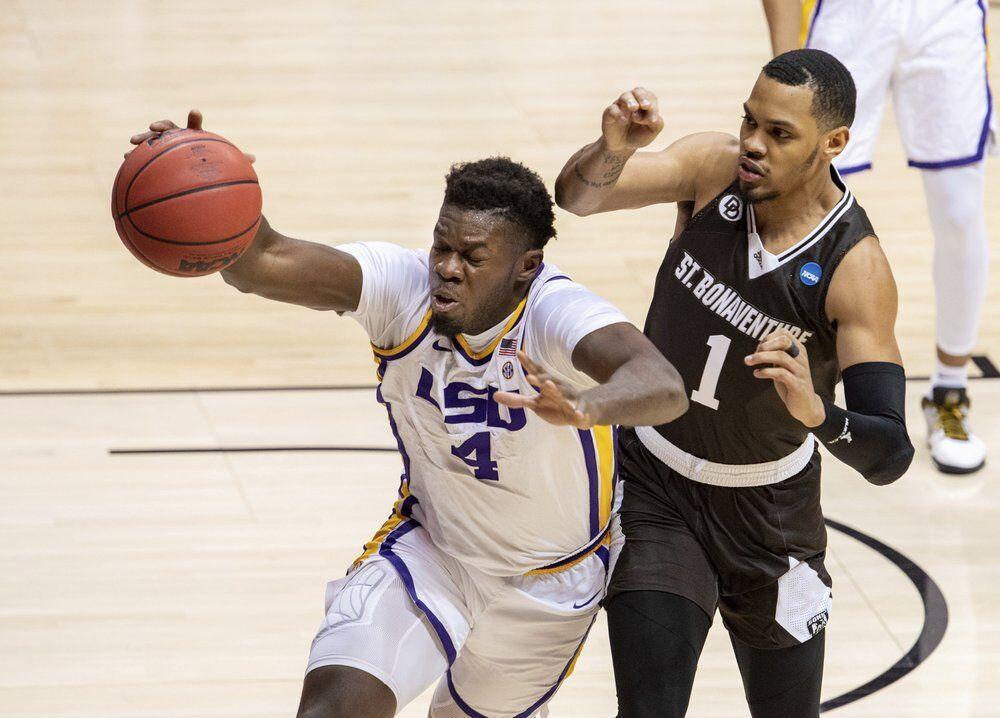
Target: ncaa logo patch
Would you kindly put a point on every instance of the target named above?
(731, 208)
(810, 274)
(507, 370)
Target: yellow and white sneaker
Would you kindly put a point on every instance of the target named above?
(954, 449)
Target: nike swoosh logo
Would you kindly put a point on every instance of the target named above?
(440, 348)
(581, 605)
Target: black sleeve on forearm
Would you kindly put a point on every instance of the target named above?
(870, 434)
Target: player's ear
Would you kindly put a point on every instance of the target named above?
(835, 141)
(529, 264)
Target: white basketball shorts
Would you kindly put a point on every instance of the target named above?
(411, 615)
(932, 55)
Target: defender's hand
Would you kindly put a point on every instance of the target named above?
(556, 403)
(158, 128)
(632, 121)
(790, 375)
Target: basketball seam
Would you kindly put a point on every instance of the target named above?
(131, 245)
(165, 151)
(193, 190)
(190, 244)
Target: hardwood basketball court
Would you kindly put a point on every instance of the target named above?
(139, 578)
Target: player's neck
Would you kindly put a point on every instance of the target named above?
(784, 221)
(499, 317)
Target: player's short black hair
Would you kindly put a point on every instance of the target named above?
(506, 188)
(834, 95)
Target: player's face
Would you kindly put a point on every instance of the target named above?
(779, 140)
(477, 270)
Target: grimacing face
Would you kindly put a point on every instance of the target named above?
(478, 270)
(781, 145)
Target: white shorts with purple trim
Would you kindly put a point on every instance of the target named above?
(932, 55)
(496, 646)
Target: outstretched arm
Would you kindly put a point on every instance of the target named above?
(638, 386)
(610, 174)
(870, 434)
(298, 272)
(281, 268)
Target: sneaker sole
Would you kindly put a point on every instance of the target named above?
(945, 469)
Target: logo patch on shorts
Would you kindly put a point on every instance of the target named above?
(810, 274)
(818, 622)
(508, 370)
(731, 208)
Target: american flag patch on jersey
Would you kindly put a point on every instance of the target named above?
(508, 347)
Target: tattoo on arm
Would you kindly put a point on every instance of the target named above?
(614, 165)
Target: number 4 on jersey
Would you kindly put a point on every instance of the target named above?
(475, 451)
(705, 393)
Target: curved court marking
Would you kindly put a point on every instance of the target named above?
(931, 633)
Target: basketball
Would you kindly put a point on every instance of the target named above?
(186, 203)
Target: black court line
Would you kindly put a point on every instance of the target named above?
(931, 633)
(986, 367)
(246, 449)
(984, 364)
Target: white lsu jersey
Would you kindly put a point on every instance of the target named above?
(497, 488)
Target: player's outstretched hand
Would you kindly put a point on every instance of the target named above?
(784, 360)
(632, 121)
(160, 126)
(555, 402)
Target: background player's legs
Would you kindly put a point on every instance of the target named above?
(961, 262)
(961, 258)
(944, 114)
(782, 682)
(865, 37)
(656, 640)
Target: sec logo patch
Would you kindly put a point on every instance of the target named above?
(508, 370)
(731, 208)
(810, 274)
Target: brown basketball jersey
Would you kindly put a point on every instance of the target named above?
(718, 293)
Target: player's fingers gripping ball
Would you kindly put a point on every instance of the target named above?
(186, 202)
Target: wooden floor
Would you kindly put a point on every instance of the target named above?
(188, 585)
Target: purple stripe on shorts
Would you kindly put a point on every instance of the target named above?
(472, 713)
(466, 708)
(385, 550)
(854, 168)
(562, 677)
(984, 134)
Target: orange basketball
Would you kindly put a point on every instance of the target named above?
(186, 203)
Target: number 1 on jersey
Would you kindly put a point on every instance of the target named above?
(705, 393)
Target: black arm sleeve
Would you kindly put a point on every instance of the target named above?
(870, 435)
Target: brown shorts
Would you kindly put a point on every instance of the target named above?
(754, 553)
